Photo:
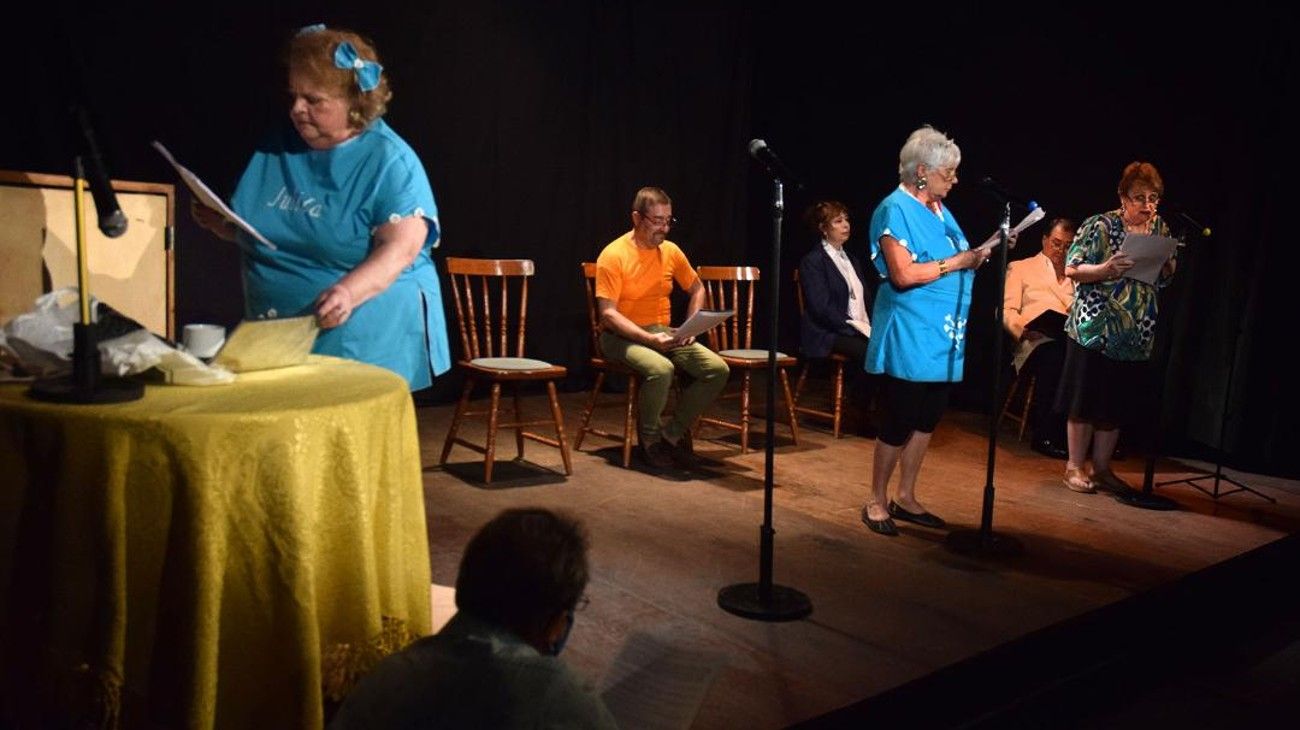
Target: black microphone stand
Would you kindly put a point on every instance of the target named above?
(764, 601)
(85, 386)
(984, 542)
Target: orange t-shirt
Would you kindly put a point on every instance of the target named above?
(638, 281)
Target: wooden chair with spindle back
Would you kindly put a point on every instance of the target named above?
(733, 287)
(492, 353)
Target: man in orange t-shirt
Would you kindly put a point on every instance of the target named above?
(634, 276)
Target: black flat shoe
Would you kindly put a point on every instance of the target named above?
(884, 527)
(924, 519)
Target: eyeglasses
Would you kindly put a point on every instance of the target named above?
(658, 220)
(1144, 199)
(949, 174)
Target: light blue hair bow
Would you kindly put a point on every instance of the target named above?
(367, 72)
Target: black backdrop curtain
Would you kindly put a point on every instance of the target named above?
(537, 122)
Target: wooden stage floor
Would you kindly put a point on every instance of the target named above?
(887, 613)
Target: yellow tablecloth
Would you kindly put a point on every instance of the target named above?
(209, 557)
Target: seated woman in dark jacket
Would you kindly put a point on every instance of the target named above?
(837, 302)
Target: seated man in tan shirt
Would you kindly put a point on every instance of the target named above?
(1036, 299)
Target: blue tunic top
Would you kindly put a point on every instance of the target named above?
(321, 208)
(919, 333)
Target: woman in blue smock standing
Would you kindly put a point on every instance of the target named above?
(349, 208)
(918, 331)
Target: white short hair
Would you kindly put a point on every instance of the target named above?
(926, 146)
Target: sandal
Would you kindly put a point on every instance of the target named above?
(1079, 482)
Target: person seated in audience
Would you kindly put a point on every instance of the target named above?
(495, 664)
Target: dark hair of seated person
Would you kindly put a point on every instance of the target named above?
(522, 569)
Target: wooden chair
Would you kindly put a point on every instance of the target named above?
(1025, 387)
(732, 287)
(604, 367)
(836, 414)
(477, 285)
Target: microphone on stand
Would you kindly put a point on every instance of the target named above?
(111, 220)
(1201, 230)
(1003, 194)
(759, 150)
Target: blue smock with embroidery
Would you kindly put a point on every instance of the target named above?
(321, 208)
(919, 333)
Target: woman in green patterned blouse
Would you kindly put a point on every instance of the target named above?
(1111, 328)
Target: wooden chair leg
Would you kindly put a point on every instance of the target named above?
(461, 407)
(558, 417)
(591, 406)
(744, 412)
(837, 405)
(1024, 411)
(519, 417)
(789, 407)
(798, 388)
(490, 450)
(629, 420)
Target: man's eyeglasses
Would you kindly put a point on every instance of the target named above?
(658, 220)
(1144, 199)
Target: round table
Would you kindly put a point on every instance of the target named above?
(223, 556)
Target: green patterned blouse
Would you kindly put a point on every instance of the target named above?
(1116, 318)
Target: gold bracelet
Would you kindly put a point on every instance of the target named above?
(943, 266)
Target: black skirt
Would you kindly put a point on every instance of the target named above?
(1101, 390)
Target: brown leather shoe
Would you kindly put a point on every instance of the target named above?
(1079, 482)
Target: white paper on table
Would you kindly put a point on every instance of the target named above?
(1034, 216)
(863, 327)
(1149, 253)
(209, 198)
(702, 321)
(656, 685)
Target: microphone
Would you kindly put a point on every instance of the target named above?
(1201, 230)
(111, 220)
(1002, 193)
(759, 150)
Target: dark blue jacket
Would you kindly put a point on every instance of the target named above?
(826, 299)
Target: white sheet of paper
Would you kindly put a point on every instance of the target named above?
(1149, 253)
(702, 321)
(209, 198)
(863, 327)
(654, 684)
(1034, 216)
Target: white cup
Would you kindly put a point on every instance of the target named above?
(203, 340)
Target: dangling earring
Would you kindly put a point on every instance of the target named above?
(355, 117)
(921, 183)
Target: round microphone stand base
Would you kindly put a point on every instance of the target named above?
(782, 604)
(981, 544)
(1145, 500)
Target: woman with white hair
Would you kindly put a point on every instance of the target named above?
(919, 321)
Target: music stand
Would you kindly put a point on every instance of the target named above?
(1218, 475)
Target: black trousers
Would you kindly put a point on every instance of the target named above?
(1045, 364)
